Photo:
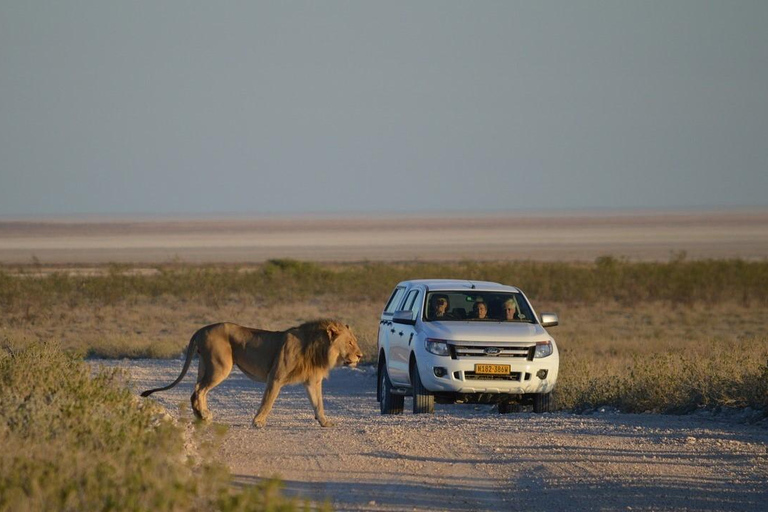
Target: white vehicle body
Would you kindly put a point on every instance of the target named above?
(459, 359)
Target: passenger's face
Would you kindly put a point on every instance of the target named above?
(440, 306)
(509, 311)
(482, 310)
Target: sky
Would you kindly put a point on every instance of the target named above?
(296, 107)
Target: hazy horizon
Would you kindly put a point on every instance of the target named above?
(272, 109)
(384, 214)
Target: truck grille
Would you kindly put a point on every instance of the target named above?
(492, 351)
(514, 376)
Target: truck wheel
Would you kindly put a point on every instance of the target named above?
(542, 402)
(423, 400)
(390, 404)
(378, 378)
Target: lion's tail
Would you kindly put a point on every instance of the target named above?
(190, 354)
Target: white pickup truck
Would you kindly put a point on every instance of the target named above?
(455, 341)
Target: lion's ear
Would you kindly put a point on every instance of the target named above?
(333, 332)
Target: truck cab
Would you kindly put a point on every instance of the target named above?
(457, 341)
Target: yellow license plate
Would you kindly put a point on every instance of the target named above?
(493, 369)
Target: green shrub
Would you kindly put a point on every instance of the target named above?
(72, 441)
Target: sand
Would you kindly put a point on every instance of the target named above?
(642, 236)
(470, 458)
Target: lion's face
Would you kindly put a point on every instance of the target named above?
(346, 343)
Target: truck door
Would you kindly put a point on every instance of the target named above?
(385, 323)
(401, 341)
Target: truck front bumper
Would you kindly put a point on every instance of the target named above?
(442, 374)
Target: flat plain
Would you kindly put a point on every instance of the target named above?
(578, 236)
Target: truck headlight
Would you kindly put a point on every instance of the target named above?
(543, 349)
(437, 347)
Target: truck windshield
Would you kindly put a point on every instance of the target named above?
(461, 306)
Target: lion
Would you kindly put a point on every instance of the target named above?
(303, 354)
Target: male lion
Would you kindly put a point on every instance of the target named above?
(301, 354)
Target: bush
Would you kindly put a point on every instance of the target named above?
(718, 375)
(72, 441)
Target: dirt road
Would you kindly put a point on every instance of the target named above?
(471, 458)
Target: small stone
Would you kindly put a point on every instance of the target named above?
(690, 440)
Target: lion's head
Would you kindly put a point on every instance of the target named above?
(344, 342)
(328, 343)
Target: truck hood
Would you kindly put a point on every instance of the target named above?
(485, 331)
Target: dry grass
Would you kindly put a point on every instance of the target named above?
(694, 330)
(678, 281)
(663, 358)
(162, 327)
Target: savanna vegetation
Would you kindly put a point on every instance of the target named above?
(640, 336)
(664, 337)
(76, 441)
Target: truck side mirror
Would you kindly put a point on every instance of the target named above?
(549, 319)
(404, 317)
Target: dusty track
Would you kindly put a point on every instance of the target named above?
(470, 458)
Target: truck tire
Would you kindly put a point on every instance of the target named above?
(423, 400)
(542, 402)
(390, 404)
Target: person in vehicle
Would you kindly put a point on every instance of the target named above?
(438, 307)
(480, 309)
(509, 310)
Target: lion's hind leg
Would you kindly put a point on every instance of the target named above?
(200, 405)
(275, 379)
(208, 377)
(267, 401)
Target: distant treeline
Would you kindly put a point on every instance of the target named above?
(284, 280)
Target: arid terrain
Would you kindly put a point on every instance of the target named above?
(471, 458)
(573, 237)
(60, 286)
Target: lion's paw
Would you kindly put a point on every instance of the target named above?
(204, 416)
(327, 423)
(259, 423)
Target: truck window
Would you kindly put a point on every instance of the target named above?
(409, 299)
(412, 303)
(415, 304)
(394, 300)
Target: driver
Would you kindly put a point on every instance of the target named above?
(438, 307)
(510, 310)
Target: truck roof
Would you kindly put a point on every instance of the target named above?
(459, 284)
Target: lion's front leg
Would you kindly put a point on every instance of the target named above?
(315, 392)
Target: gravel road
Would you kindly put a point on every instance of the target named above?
(470, 458)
